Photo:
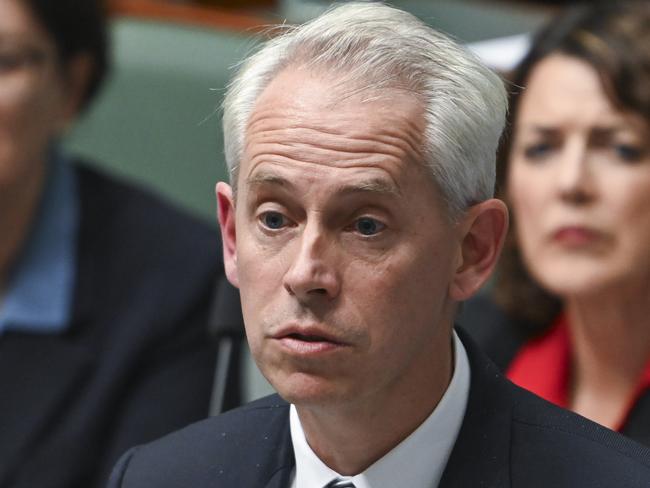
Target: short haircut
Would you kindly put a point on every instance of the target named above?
(76, 27)
(377, 46)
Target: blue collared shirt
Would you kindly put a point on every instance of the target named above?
(39, 292)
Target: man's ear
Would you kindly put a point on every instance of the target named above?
(226, 217)
(483, 231)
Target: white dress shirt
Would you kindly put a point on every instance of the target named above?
(416, 462)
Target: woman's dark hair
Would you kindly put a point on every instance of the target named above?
(77, 27)
(614, 39)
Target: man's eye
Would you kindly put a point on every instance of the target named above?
(273, 220)
(367, 226)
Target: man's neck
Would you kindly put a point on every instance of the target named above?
(350, 437)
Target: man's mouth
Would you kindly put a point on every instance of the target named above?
(308, 338)
(305, 342)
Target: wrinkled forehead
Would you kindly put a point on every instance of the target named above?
(301, 106)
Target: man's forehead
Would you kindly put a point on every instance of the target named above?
(300, 119)
(305, 114)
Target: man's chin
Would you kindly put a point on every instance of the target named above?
(304, 389)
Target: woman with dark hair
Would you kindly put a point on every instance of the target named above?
(105, 291)
(570, 315)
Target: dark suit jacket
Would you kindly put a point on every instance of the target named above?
(509, 438)
(136, 362)
(501, 337)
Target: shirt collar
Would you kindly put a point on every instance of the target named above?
(419, 460)
(39, 292)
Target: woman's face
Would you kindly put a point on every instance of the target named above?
(35, 101)
(579, 183)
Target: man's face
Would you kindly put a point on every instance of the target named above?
(341, 248)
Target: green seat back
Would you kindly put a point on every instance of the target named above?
(157, 120)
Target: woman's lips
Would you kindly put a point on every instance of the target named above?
(576, 236)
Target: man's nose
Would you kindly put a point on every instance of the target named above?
(313, 271)
(575, 180)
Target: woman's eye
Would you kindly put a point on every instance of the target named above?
(13, 61)
(628, 152)
(367, 226)
(10, 61)
(537, 151)
(273, 220)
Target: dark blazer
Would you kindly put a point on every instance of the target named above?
(501, 337)
(137, 360)
(509, 438)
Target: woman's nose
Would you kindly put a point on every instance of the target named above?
(574, 176)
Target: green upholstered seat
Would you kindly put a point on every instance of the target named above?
(158, 120)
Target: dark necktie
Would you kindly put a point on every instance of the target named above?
(339, 483)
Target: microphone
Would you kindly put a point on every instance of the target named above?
(226, 326)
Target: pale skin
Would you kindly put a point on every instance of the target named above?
(38, 99)
(583, 226)
(348, 267)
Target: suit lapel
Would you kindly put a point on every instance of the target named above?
(249, 448)
(281, 478)
(283, 460)
(37, 374)
(481, 455)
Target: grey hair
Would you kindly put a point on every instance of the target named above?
(379, 46)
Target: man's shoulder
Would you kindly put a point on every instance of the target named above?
(235, 447)
(512, 437)
(550, 443)
(253, 424)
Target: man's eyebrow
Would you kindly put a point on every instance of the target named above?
(373, 185)
(260, 179)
